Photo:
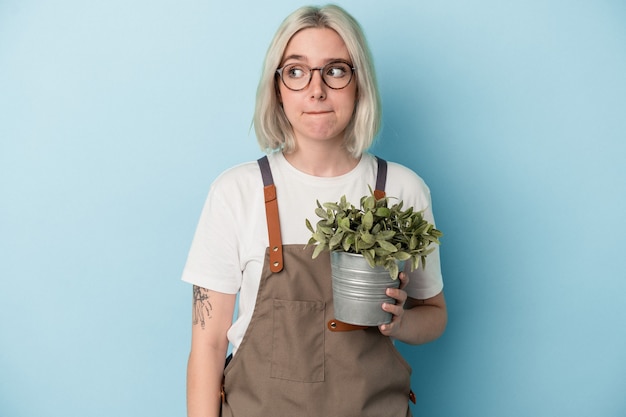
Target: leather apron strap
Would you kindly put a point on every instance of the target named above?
(271, 213)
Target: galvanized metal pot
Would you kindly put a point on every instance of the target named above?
(359, 290)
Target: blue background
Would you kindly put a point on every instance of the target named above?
(116, 116)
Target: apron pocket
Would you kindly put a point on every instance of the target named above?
(298, 341)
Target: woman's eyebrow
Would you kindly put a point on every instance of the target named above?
(295, 57)
(305, 59)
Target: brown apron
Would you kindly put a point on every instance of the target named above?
(292, 362)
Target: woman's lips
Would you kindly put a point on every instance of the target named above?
(317, 112)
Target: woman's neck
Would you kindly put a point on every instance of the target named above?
(322, 162)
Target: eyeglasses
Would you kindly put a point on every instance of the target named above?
(336, 75)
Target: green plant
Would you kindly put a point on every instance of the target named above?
(382, 234)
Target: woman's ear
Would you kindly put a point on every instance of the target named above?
(277, 90)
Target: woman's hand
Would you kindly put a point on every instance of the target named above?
(397, 309)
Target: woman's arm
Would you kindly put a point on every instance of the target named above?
(212, 317)
(415, 321)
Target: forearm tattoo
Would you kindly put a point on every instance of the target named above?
(201, 305)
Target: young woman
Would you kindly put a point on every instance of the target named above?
(317, 112)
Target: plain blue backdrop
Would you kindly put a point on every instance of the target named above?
(116, 116)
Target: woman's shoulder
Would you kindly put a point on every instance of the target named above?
(402, 172)
(404, 183)
(238, 174)
(237, 182)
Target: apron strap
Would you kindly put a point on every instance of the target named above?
(271, 213)
(381, 178)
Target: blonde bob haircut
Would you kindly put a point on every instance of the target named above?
(273, 130)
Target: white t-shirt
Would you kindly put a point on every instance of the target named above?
(228, 248)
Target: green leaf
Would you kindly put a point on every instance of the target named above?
(348, 241)
(383, 212)
(385, 235)
(327, 230)
(320, 237)
(362, 245)
(343, 203)
(422, 228)
(319, 249)
(367, 237)
(415, 262)
(428, 251)
(432, 239)
(388, 246)
(344, 224)
(381, 253)
(369, 203)
(368, 220)
(335, 240)
(308, 226)
(369, 257)
(320, 212)
(402, 256)
(392, 266)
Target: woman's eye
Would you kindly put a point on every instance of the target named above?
(295, 72)
(337, 71)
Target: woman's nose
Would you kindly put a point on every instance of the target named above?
(317, 86)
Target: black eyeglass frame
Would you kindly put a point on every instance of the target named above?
(279, 72)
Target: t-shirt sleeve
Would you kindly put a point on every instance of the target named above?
(424, 282)
(213, 260)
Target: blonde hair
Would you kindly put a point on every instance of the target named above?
(273, 130)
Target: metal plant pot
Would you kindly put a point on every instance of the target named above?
(359, 290)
